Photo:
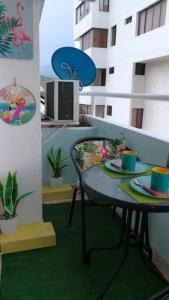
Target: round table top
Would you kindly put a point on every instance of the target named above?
(103, 189)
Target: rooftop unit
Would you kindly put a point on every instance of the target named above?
(62, 101)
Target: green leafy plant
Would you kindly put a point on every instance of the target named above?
(79, 155)
(89, 147)
(116, 146)
(57, 161)
(9, 195)
(7, 25)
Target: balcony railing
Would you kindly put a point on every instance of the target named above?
(155, 97)
(125, 96)
(150, 110)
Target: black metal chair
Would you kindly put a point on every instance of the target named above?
(162, 295)
(86, 152)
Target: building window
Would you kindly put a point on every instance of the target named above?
(82, 10)
(137, 117)
(128, 20)
(99, 111)
(111, 70)
(152, 17)
(100, 37)
(86, 40)
(100, 77)
(95, 37)
(104, 5)
(109, 110)
(113, 35)
(140, 69)
(85, 109)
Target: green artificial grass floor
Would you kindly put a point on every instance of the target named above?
(58, 273)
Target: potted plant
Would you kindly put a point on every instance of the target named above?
(10, 200)
(57, 163)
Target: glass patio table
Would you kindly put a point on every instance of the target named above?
(105, 190)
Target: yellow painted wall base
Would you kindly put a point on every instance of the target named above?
(28, 237)
(51, 194)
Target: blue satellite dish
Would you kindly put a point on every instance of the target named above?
(70, 63)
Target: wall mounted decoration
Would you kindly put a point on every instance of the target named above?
(17, 105)
(16, 29)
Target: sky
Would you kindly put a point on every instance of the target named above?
(56, 28)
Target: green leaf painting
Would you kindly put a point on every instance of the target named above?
(6, 30)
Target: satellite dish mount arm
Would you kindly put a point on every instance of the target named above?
(73, 73)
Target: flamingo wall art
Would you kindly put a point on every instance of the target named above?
(17, 105)
(16, 34)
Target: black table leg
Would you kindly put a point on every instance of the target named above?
(83, 227)
(142, 232)
(163, 294)
(126, 244)
(137, 221)
(124, 215)
(147, 241)
(144, 243)
(75, 190)
(117, 245)
(144, 246)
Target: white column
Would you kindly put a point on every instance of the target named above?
(21, 145)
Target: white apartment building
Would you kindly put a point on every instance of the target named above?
(129, 43)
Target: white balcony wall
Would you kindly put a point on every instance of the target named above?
(99, 18)
(129, 49)
(139, 82)
(156, 115)
(99, 56)
(150, 45)
(85, 100)
(119, 82)
(94, 19)
(83, 26)
(21, 145)
(138, 87)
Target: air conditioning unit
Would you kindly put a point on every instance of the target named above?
(62, 101)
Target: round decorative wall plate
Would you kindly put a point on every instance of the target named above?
(17, 105)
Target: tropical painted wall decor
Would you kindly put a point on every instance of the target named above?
(16, 29)
(17, 105)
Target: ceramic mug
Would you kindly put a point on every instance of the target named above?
(129, 160)
(160, 179)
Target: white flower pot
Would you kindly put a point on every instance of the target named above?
(9, 226)
(55, 182)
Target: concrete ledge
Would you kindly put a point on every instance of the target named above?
(63, 192)
(28, 237)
